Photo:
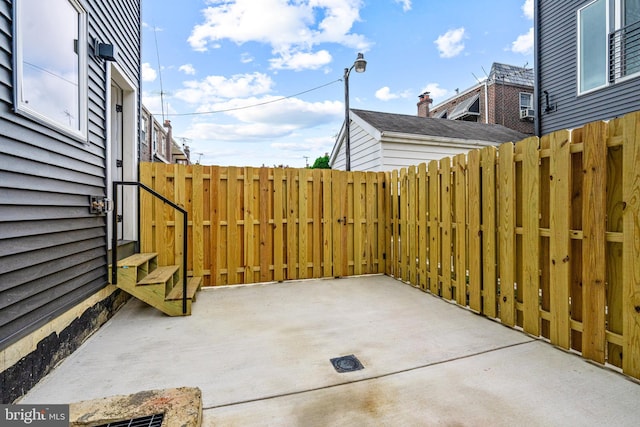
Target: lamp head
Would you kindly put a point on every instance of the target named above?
(360, 64)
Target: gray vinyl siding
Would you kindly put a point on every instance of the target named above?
(557, 62)
(53, 253)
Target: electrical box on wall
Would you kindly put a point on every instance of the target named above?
(99, 205)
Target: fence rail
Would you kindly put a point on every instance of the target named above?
(542, 235)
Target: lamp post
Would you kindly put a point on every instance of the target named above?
(360, 65)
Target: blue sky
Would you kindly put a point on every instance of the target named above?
(259, 82)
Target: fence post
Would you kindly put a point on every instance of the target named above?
(631, 246)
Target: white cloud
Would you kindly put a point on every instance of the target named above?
(406, 4)
(278, 119)
(292, 112)
(309, 144)
(148, 73)
(153, 103)
(246, 58)
(218, 88)
(435, 91)
(385, 94)
(236, 132)
(451, 43)
(290, 28)
(527, 8)
(299, 61)
(524, 43)
(187, 69)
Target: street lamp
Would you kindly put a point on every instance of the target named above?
(360, 65)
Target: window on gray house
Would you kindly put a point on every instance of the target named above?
(592, 46)
(608, 43)
(50, 63)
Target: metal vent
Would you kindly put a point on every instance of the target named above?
(346, 364)
(150, 421)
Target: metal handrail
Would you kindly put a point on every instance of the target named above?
(114, 244)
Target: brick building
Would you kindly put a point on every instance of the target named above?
(504, 98)
(157, 143)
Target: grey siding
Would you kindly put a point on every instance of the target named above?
(556, 62)
(52, 251)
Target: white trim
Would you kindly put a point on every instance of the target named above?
(130, 135)
(83, 102)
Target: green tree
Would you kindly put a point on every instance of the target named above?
(321, 162)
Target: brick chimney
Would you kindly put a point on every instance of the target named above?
(424, 104)
(169, 141)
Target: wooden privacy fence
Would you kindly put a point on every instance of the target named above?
(250, 225)
(543, 235)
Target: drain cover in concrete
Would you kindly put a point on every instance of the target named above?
(346, 363)
(150, 421)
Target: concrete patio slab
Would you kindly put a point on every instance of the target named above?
(261, 356)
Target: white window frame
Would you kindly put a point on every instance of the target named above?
(580, 91)
(154, 140)
(528, 106)
(144, 130)
(614, 22)
(22, 107)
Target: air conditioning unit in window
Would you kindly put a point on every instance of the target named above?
(527, 114)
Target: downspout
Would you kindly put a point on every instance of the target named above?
(139, 222)
(536, 60)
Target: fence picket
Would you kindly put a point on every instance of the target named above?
(423, 233)
(593, 242)
(560, 241)
(459, 172)
(475, 248)
(489, 249)
(506, 233)
(530, 235)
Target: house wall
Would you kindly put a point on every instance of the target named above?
(365, 151)
(53, 252)
(504, 107)
(145, 136)
(401, 154)
(556, 69)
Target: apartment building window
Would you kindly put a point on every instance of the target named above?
(608, 42)
(50, 48)
(163, 145)
(526, 101)
(143, 130)
(154, 140)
